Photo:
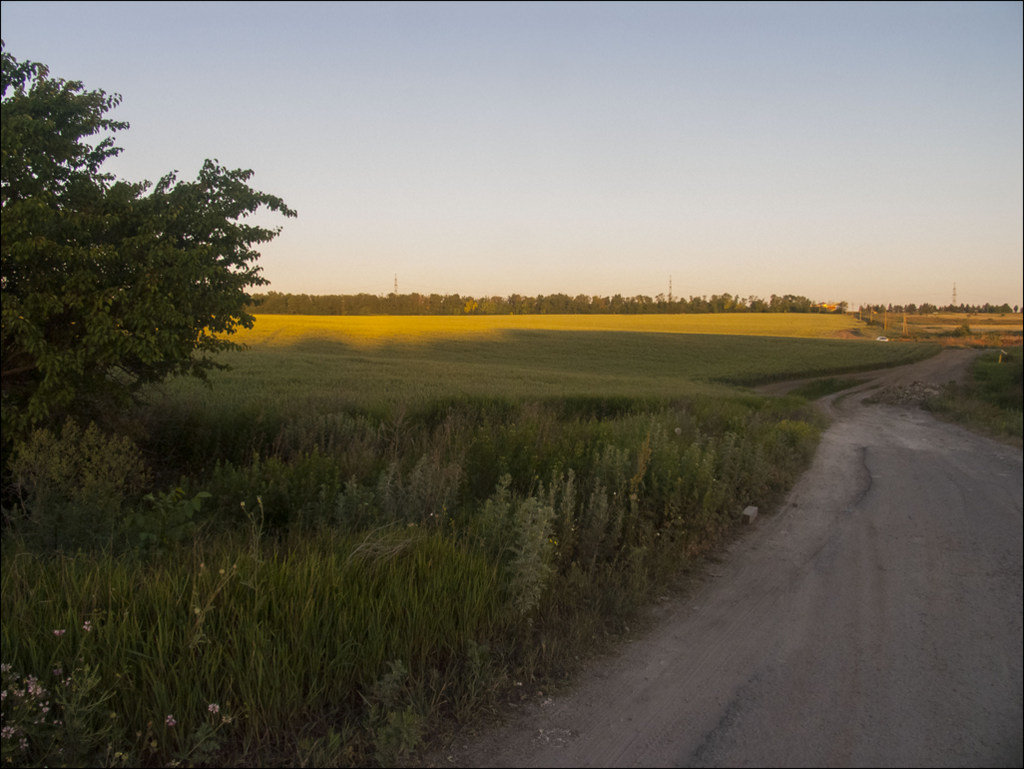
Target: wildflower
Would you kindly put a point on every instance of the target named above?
(6, 667)
(8, 732)
(213, 707)
(87, 627)
(35, 689)
(170, 720)
(59, 633)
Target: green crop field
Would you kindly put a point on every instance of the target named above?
(329, 363)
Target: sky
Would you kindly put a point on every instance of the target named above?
(862, 152)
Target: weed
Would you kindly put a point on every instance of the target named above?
(165, 519)
(72, 487)
(396, 726)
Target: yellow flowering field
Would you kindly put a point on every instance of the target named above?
(372, 330)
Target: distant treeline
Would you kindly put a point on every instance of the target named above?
(550, 304)
(931, 309)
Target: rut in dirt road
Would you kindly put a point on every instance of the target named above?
(875, 620)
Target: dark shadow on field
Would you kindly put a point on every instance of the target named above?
(713, 358)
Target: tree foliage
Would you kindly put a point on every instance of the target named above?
(106, 284)
(552, 304)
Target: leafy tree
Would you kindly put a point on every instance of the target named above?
(108, 285)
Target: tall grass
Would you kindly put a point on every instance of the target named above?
(370, 590)
(277, 635)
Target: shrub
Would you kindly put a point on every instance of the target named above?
(517, 534)
(71, 488)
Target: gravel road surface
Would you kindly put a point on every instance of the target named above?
(875, 619)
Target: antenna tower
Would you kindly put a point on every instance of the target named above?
(669, 288)
(954, 294)
(396, 284)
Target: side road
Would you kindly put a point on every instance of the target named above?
(874, 620)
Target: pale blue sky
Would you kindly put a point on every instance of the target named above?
(862, 152)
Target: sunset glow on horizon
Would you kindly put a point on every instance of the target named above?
(867, 153)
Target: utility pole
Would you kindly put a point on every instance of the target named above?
(954, 294)
(396, 284)
(670, 289)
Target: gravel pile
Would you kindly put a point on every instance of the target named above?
(897, 395)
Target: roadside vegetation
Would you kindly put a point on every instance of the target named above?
(993, 401)
(366, 576)
(336, 549)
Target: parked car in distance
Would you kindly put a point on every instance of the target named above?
(882, 339)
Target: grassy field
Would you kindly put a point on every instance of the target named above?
(369, 528)
(940, 322)
(331, 363)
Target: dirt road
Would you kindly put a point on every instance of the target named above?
(874, 620)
